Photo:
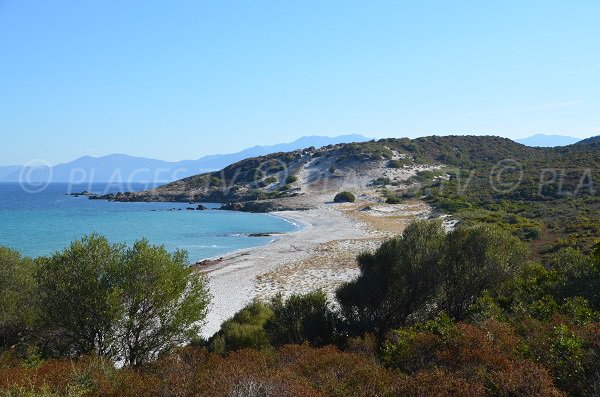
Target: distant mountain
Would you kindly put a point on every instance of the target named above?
(121, 168)
(542, 140)
(6, 170)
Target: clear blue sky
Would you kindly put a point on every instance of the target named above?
(180, 79)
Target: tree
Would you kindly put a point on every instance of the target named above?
(299, 319)
(124, 303)
(477, 258)
(17, 306)
(576, 275)
(395, 281)
(78, 295)
(163, 302)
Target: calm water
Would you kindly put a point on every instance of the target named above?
(42, 223)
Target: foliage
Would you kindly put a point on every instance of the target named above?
(299, 319)
(344, 197)
(477, 259)
(17, 300)
(79, 294)
(244, 330)
(128, 304)
(395, 281)
(162, 302)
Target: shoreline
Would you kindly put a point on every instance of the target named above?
(243, 275)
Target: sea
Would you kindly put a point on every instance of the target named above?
(43, 220)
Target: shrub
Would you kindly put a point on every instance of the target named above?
(344, 197)
(393, 200)
(244, 330)
(17, 297)
(395, 164)
(267, 181)
(291, 179)
(395, 281)
(382, 181)
(299, 319)
(477, 259)
(215, 181)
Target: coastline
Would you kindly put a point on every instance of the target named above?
(319, 256)
(240, 276)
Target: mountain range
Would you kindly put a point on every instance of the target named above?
(542, 140)
(120, 168)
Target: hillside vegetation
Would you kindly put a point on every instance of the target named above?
(431, 313)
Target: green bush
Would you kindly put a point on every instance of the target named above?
(17, 297)
(291, 179)
(300, 319)
(267, 181)
(344, 197)
(393, 200)
(244, 330)
(398, 163)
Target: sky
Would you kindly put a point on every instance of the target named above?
(180, 79)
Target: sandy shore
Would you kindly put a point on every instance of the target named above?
(239, 277)
(319, 256)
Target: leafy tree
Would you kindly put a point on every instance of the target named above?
(477, 258)
(299, 319)
(577, 275)
(17, 306)
(131, 304)
(395, 281)
(163, 302)
(78, 292)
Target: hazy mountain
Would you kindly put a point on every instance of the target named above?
(123, 168)
(6, 170)
(542, 140)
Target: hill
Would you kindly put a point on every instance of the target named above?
(543, 195)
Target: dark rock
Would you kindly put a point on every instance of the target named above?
(200, 207)
(251, 206)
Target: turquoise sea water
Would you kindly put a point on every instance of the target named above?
(44, 222)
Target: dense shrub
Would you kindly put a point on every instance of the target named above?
(299, 319)
(395, 281)
(244, 330)
(344, 197)
(17, 299)
(291, 179)
(477, 259)
(393, 200)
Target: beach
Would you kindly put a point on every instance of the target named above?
(321, 255)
